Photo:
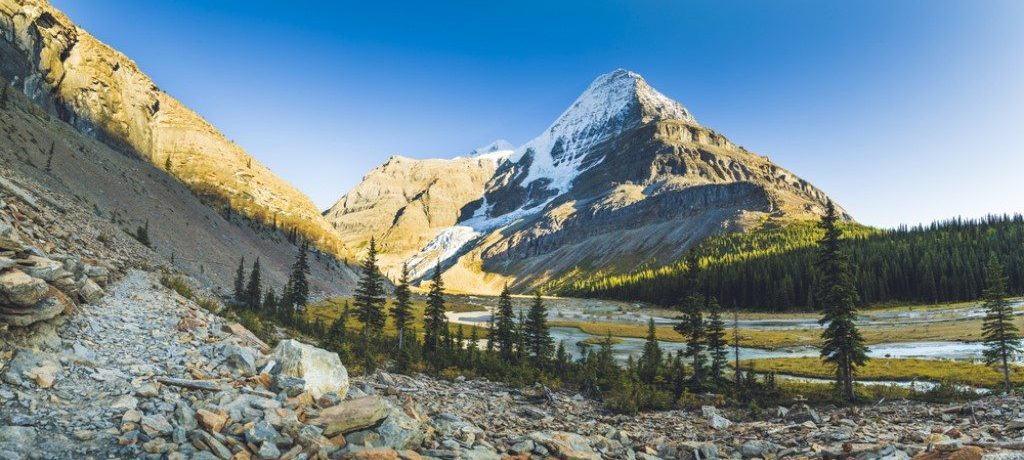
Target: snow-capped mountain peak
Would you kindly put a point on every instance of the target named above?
(614, 102)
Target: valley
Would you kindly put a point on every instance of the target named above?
(627, 284)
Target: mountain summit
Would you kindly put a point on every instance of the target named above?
(625, 177)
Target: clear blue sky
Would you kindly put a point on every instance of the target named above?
(904, 111)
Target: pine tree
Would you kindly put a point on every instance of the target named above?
(369, 296)
(843, 345)
(605, 368)
(504, 326)
(538, 335)
(402, 311)
(1001, 337)
(678, 374)
(434, 320)
(649, 364)
(240, 282)
(253, 290)
(716, 341)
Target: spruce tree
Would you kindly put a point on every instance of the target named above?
(369, 296)
(649, 364)
(716, 341)
(692, 328)
(240, 283)
(434, 321)
(504, 326)
(253, 290)
(843, 345)
(1001, 337)
(296, 292)
(402, 311)
(538, 335)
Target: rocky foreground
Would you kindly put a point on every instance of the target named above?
(146, 373)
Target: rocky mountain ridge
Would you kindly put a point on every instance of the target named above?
(103, 94)
(624, 177)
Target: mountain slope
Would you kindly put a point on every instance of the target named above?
(55, 161)
(406, 203)
(625, 177)
(105, 95)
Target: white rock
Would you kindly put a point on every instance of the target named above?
(321, 369)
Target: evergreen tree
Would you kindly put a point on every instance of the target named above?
(270, 301)
(692, 328)
(843, 345)
(678, 374)
(716, 341)
(1002, 338)
(240, 282)
(296, 291)
(4, 95)
(605, 368)
(561, 357)
(253, 290)
(520, 338)
(649, 363)
(369, 296)
(504, 326)
(402, 311)
(538, 335)
(435, 324)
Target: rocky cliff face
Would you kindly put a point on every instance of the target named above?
(406, 203)
(624, 177)
(103, 94)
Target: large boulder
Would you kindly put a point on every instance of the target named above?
(352, 415)
(320, 369)
(21, 290)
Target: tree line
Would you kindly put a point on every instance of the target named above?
(772, 268)
(519, 348)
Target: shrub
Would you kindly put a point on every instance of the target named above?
(178, 284)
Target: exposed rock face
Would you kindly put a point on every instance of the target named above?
(626, 176)
(406, 203)
(105, 95)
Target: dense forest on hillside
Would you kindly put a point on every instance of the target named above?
(772, 267)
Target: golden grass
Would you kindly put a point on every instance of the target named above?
(977, 375)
